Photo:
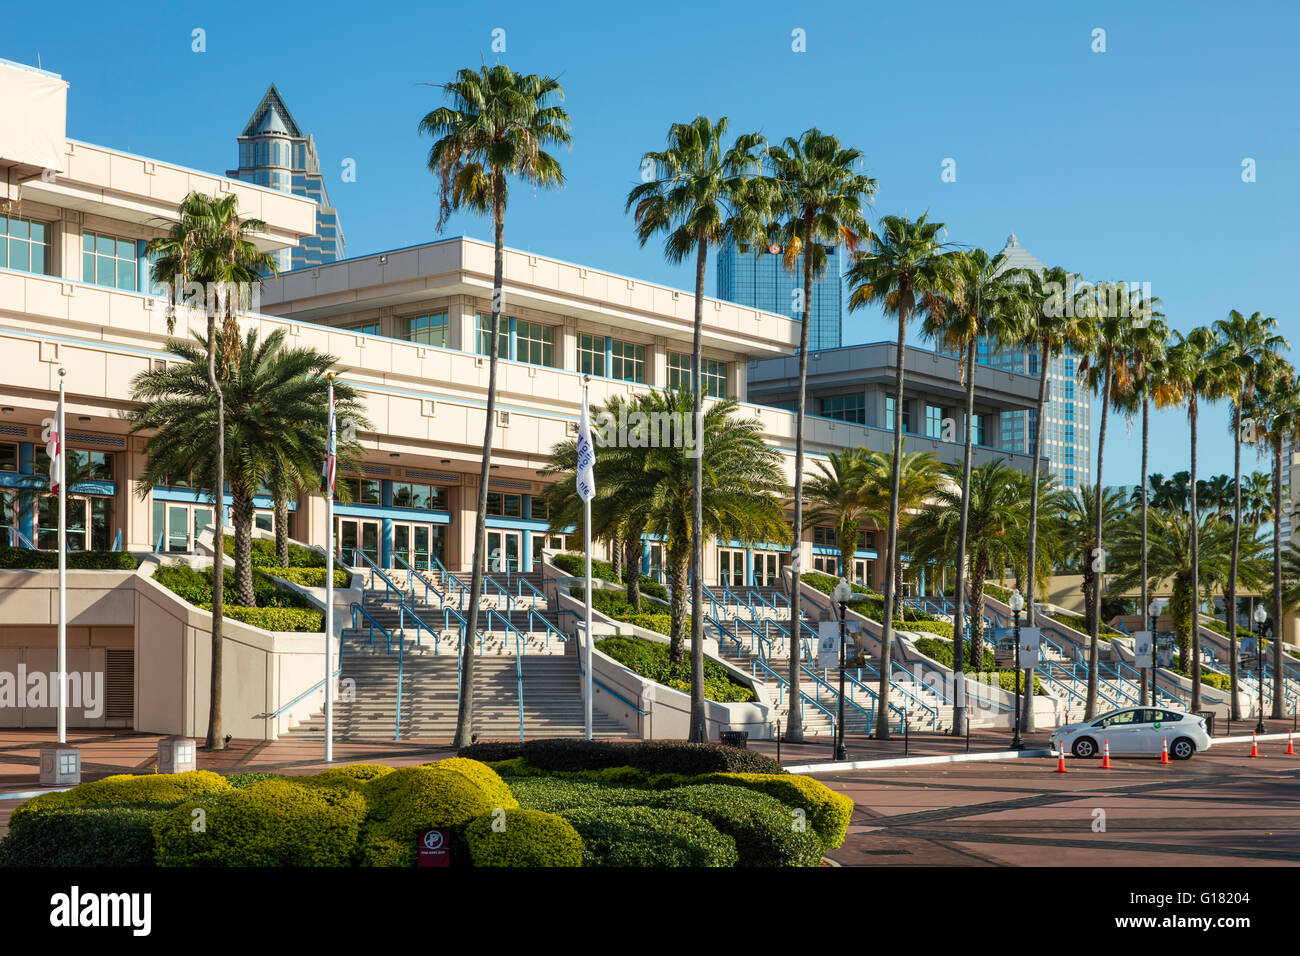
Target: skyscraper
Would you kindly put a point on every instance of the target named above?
(759, 280)
(1068, 412)
(276, 153)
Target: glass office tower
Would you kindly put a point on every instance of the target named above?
(758, 279)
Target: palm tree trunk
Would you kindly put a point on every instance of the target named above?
(1026, 719)
(794, 717)
(979, 574)
(465, 710)
(215, 739)
(1146, 448)
(891, 547)
(241, 514)
(1099, 553)
(1230, 607)
(632, 568)
(1196, 570)
(959, 698)
(282, 529)
(616, 556)
(1278, 674)
(699, 728)
(677, 573)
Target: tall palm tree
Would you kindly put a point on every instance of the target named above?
(1198, 371)
(1258, 497)
(905, 270)
(275, 402)
(1247, 343)
(817, 202)
(741, 495)
(1081, 519)
(705, 194)
(207, 255)
(920, 474)
(498, 126)
(839, 496)
(988, 302)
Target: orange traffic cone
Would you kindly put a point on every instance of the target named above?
(1290, 746)
(1164, 750)
(1254, 746)
(1105, 756)
(1060, 760)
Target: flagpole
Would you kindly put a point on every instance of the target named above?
(60, 465)
(330, 451)
(586, 547)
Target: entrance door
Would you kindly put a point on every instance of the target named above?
(731, 567)
(504, 548)
(657, 562)
(861, 571)
(360, 534)
(413, 543)
(767, 566)
(8, 517)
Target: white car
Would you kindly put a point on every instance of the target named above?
(1136, 730)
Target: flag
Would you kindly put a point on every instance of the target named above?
(586, 484)
(54, 447)
(331, 453)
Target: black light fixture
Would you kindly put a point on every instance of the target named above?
(1017, 604)
(1260, 617)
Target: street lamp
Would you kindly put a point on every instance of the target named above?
(1153, 612)
(1017, 604)
(1260, 616)
(841, 596)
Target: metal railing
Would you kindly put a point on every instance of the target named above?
(782, 684)
(362, 560)
(412, 575)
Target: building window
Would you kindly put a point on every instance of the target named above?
(407, 494)
(108, 261)
(365, 491)
(845, 408)
(485, 335)
(977, 429)
(591, 354)
(1068, 413)
(889, 415)
(539, 510)
(82, 465)
(534, 343)
(713, 374)
(367, 328)
(933, 421)
(426, 329)
(627, 361)
(826, 535)
(24, 245)
(866, 540)
(8, 456)
(501, 505)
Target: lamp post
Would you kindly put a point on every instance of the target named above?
(841, 596)
(1153, 612)
(1260, 616)
(1017, 604)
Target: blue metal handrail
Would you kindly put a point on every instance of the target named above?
(413, 575)
(549, 627)
(117, 541)
(388, 637)
(856, 683)
(303, 696)
(361, 559)
(722, 632)
(782, 683)
(532, 587)
(402, 612)
(501, 592)
(820, 683)
(448, 578)
(157, 548)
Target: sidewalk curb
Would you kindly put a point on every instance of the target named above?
(31, 794)
(918, 761)
(1247, 739)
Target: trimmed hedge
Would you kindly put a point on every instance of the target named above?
(649, 837)
(653, 617)
(311, 577)
(527, 838)
(828, 812)
(269, 823)
(1215, 680)
(576, 564)
(83, 836)
(942, 652)
(482, 776)
(275, 618)
(942, 628)
(1080, 624)
(654, 756)
(553, 794)
(765, 831)
(29, 559)
(122, 790)
(263, 554)
(195, 586)
(650, 659)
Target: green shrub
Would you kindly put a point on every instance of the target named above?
(122, 790)
(528, 838)
(653, 756)
(263, 554)
(29, 559)
(406, 801)
(650, 659)
(552, 794)
(269, 823)
(575, 564)
(275, 618)
(355, 771)
(765, 831)
(482, 776)
(1080, 624)
(1218, 681)
(941, 651)
(240, 780)
(828, 812)
(311, 577)
(942, 628)
(649, 837)
(83, 836)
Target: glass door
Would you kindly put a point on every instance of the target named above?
(657, 562)
(360, 534)
(731, 567)
(8, 519)
(767, 566)
(412, 543)
(861, 571)
(503, 550)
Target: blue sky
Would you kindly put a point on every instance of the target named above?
(1125, 164)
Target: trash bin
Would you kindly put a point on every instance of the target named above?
(1208, 717)
(734, 738)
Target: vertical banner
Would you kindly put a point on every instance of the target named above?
(586, 487)
(327, 489)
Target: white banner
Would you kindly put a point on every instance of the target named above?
(1142, 649)
(1030, 637)
(828, 645)
(586, 482)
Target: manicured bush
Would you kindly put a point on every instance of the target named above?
(240, 780)
(654, 756)
(269, 823)
(263, 554)
(121, 790)
(481, 775)
(275, 618)
(828, 812)
(553, 794)
(525, 838)
(1080, 624)
(765, 831)
(942, 628)
(1218, 681)
(30, 559)
(83, 836)
(195, 586)
(311, 577)
(650, 659)
(575, 564)
(649, 837)
(362, 772)
(412, 799)
(941, 651)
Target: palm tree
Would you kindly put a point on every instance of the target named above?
(741, 494)
(275, 402)
(499, 125)
(1081, 519)
(904, 270)
(920, 474)
(987, 302)
(817, 202)
(840, 497)
(1198, 371)
(704, 195)
(207, 255)
(1258, 497)
(1247, 343)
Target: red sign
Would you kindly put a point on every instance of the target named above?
(774, 249)
(432, 848)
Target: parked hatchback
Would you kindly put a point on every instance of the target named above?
(1135, 730)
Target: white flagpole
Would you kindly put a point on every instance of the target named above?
(61, 466)
(586, 489)
(330, 452)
